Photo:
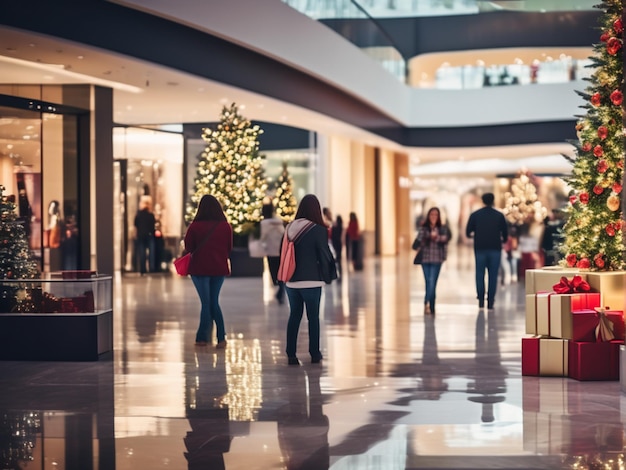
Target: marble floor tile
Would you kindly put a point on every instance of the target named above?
(396, 390)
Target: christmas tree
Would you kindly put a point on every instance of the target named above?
(16, 259)
(285, 202)
(231, 169)
(594, 229)
(521, 204)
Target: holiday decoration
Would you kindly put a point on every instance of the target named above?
(284, 201)
(16, 259)
(18, 435)
(521, 205)
(231, 169)
(593, 231)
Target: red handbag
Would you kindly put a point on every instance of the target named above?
(182, 264)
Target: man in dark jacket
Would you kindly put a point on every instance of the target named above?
(488, 227)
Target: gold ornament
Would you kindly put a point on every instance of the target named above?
(612, 203)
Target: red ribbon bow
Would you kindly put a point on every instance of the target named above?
(567, 286)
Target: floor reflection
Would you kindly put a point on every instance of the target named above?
(397, 389)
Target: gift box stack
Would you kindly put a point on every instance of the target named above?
(577, 323)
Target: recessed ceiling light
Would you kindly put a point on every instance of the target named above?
(32, 44)
(80, 57)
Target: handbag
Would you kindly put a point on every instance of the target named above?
(418, 256)
(182, 263)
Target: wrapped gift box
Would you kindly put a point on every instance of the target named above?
(549, 314)
(612, 287)
(538, 280)
(544, 357)
(594, 361)
(582, 324)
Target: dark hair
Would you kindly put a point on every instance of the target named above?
(353, 216)
(209, 208)
(426, 222)
(488, 199)
(339, 221)
(310, 209)
(268, 211)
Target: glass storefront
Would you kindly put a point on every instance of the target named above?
(39, 168)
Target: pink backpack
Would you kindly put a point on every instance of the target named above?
(288, 254)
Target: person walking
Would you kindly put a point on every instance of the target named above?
(272, 230)
(432, 239)
(489, 229)
(145, 224)
(353, 242)
(336, 238)
(315, 267)
(210, 238)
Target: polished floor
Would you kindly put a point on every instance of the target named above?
(396, 389)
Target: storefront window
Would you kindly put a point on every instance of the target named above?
(38, 166)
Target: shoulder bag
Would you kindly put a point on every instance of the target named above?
(182, 264)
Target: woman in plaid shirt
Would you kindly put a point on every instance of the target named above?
(433, 238)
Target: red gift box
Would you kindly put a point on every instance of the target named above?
(584, 323)
(544, 356)
(594, 361)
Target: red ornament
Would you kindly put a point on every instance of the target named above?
(604, 37)
(620, 164)
(617, 188)
(603, 132)
(586, 147)
(617, 26)
(617, 97)
(596, 99)
(597, 189)
(598, 261)
(583, 263)
(598, 151)
(584, 198)
(572, 199)
(602, 166)
(571, 260)
(610, 230)
(613, 45)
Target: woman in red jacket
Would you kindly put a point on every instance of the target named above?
(210, 238)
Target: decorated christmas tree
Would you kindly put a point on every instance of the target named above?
(231, 169)
(284, 201)
(16, 259)
(594, 229)
(521, 203)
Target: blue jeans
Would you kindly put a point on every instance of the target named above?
(487, 260)
(298, 298)
(431, 274)
(208, 288)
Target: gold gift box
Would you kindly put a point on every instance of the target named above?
(561, 318)
(612, 288)
(553, 357)
(536, 322)
(538, 280)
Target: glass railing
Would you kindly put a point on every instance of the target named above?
(326, 9)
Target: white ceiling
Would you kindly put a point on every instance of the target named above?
(145, 93)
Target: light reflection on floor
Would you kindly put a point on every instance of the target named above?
(396, 389)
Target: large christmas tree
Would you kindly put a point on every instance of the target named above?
(285, 202)
(231, 169)
(16, 259)
(594, 229)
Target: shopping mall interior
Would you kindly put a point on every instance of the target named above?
(382, 108)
